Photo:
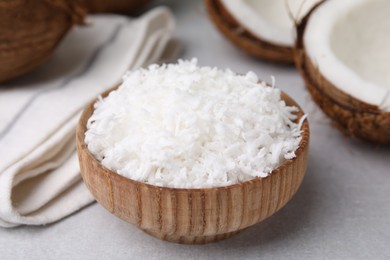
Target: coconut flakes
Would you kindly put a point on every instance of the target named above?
(184, 126)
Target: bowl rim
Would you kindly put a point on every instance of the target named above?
(82, 147)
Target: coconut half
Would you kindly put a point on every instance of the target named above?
(344, 55)
(262, 28)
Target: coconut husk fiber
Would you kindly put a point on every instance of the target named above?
(245, 40)
(352, 116)
(29, 32)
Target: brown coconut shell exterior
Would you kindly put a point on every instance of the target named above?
(114, 6)
(244, 39)
(192, 216)
(352, 116)
(29, 32)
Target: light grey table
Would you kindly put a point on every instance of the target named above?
(341, 211)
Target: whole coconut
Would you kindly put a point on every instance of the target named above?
(30, 30)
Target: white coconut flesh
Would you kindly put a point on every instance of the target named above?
(269, 20)
(349, 42)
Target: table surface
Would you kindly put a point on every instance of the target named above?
(341, 211)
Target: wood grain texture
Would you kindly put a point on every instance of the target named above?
(350, 115)
(192, 215)
(30, 31)
(245, 40)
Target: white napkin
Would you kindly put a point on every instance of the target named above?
(39, 172)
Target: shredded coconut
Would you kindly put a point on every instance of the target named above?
(184, 126)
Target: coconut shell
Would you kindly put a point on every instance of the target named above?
(352, 116)
(244, 39)
(114, 6)
(29, 32)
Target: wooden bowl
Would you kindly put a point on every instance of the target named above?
(192, 216)
(114, 6)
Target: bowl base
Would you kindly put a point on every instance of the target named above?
(192, 239)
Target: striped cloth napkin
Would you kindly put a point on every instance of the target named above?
(39, 172)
